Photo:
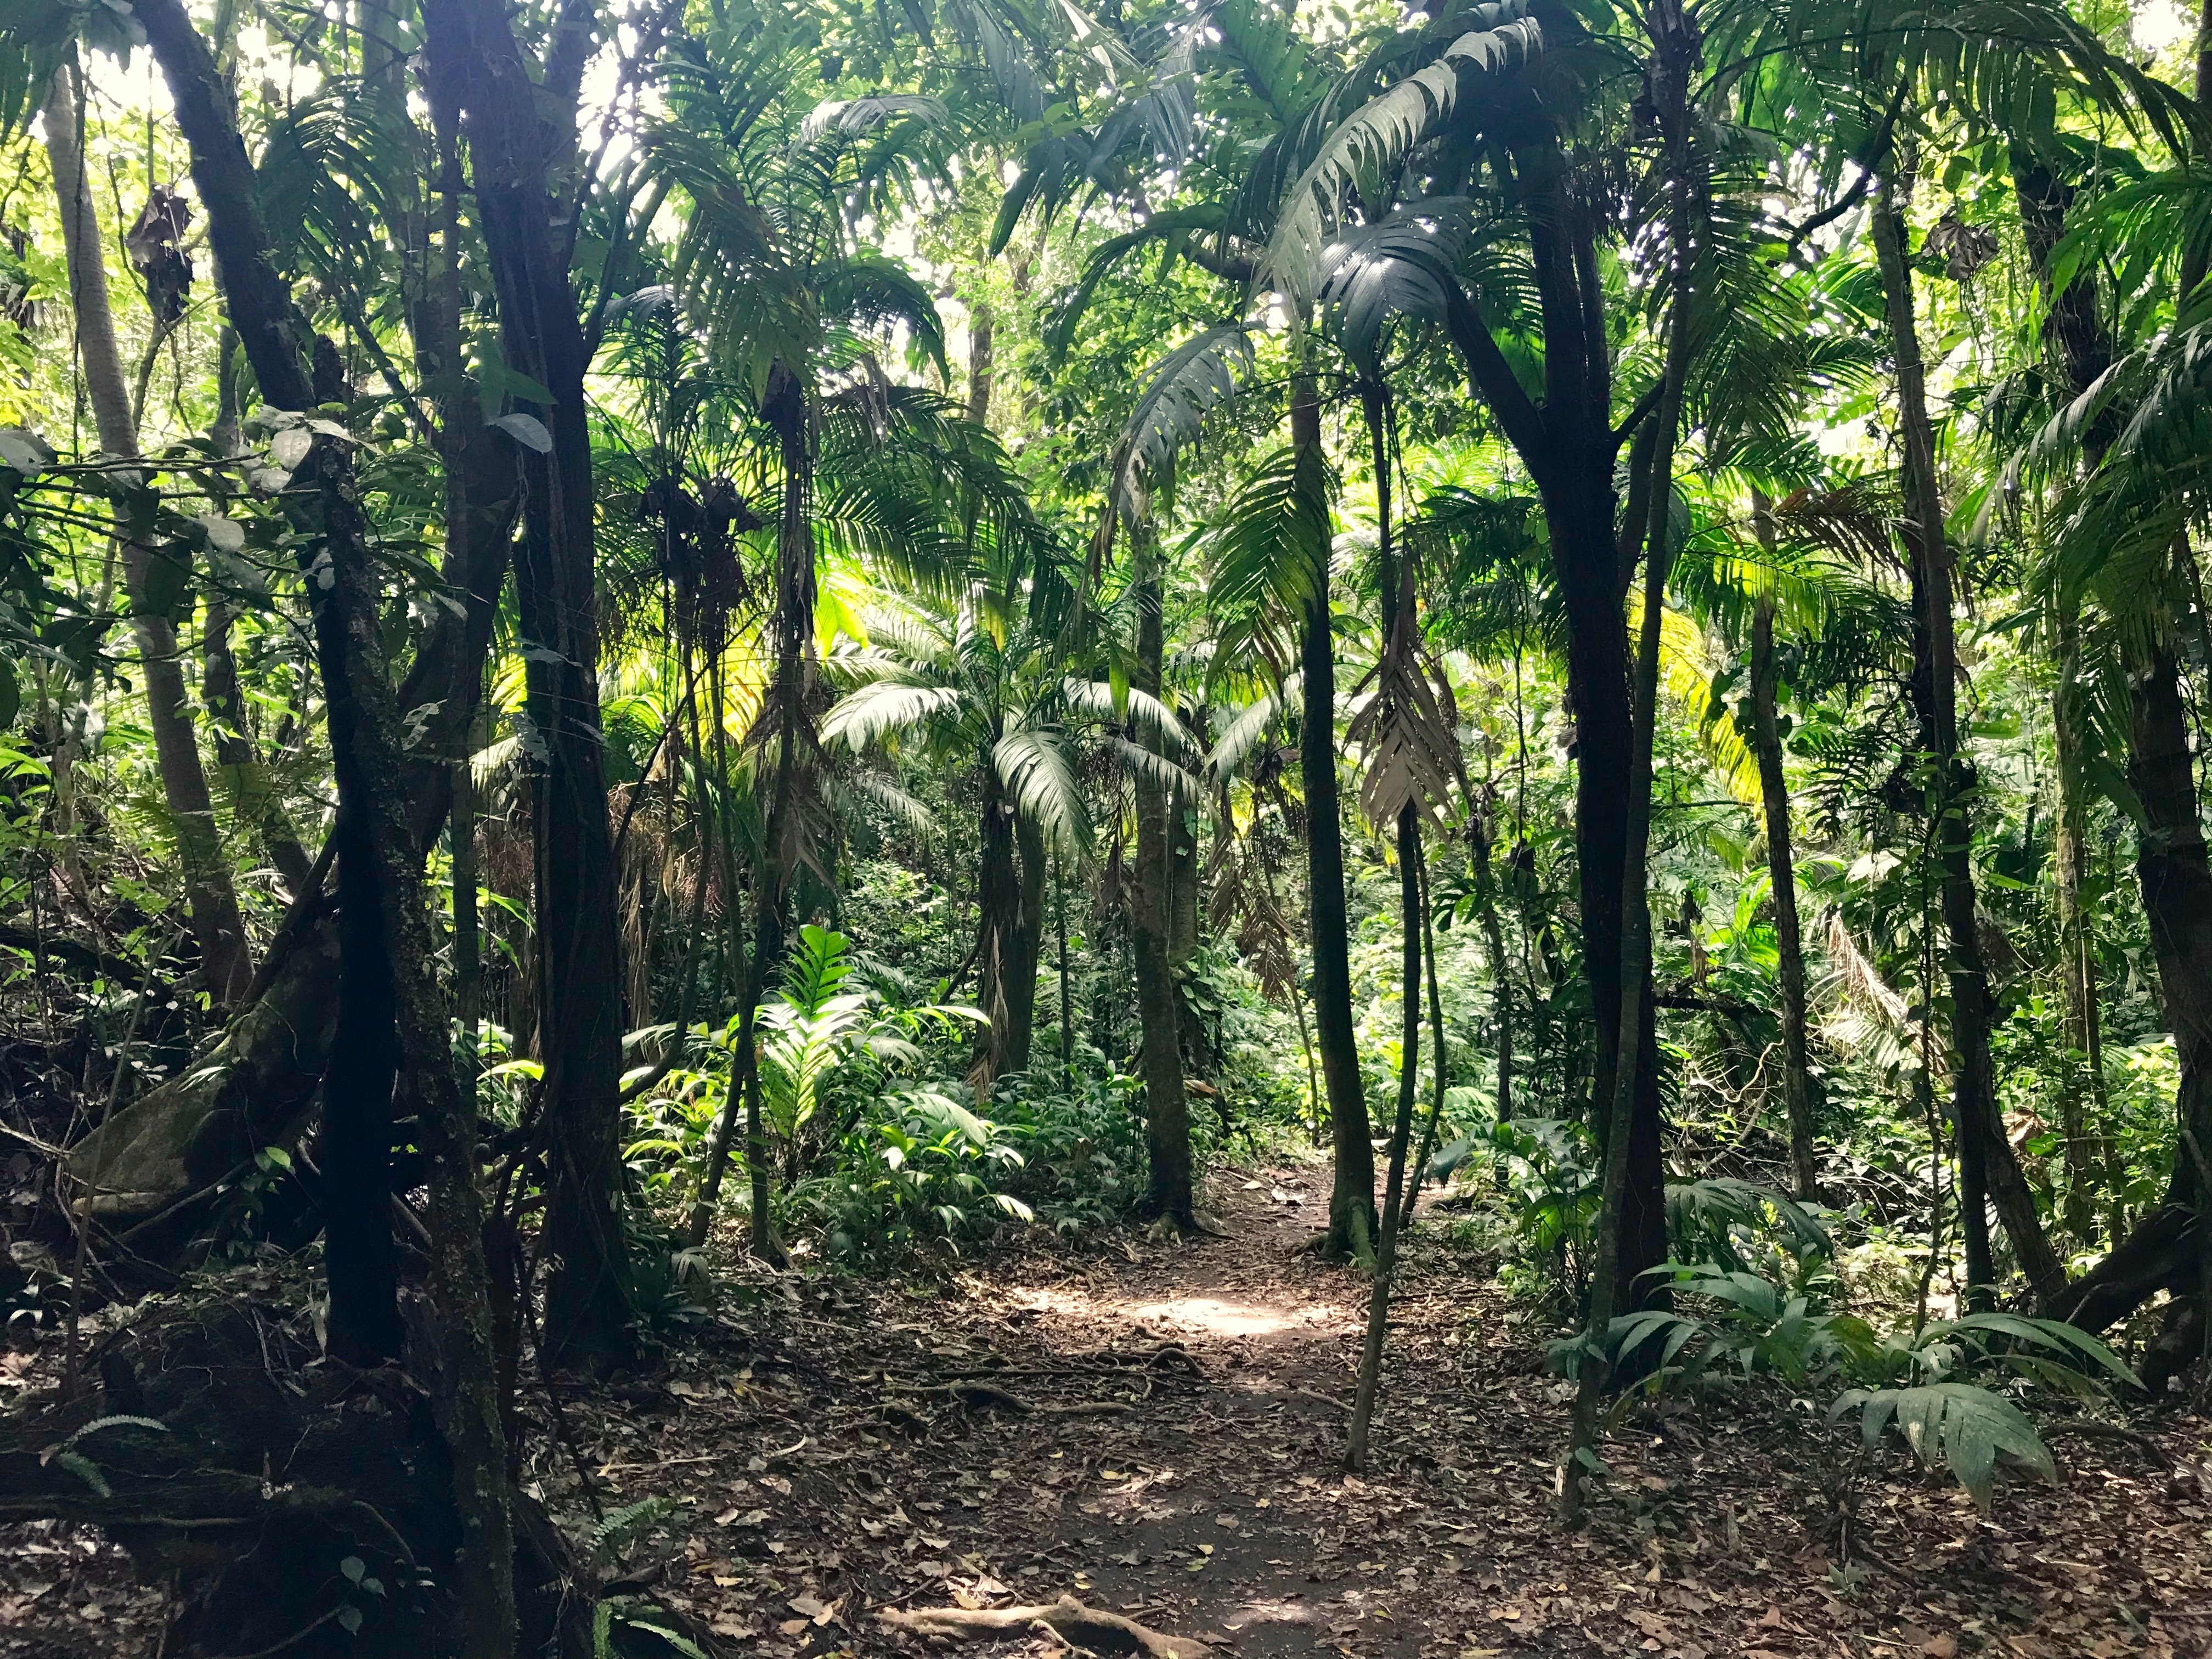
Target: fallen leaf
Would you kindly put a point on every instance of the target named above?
(1940, 1647)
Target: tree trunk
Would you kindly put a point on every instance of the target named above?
(1987, 1168)
(2078, 350)
(1481, 836)
(253, 795)
(1397, 594)
(998, 944)
(1674, 50)
(1167, 1110)
(784, 721)
(1570, 448)
(211, 903)
(1351, 1221)
(1028, 945)
(2082, 1085)
(381, 886)
(2176, 876)
(980, 334)
(475, 61)
(1781, 879)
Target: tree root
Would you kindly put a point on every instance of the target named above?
(1068, 1619)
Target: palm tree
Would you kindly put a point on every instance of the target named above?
(953, 681)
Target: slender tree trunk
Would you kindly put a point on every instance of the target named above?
(1675, 50)
(1987, 1167)
(981, 335)
(1481, 837)
(211, 903)
(1397, 599)
(2084, 1071)
(785, 721)
(2077, 346)
(2170, 1249)
(380, 843)
(1781, 879)
(474, 55)
(1167, 1109)
(1028, 945)
(1067, 989)
(1351, 1228)
(998, 945)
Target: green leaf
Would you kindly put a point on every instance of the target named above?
(1954, 1424)
(167, 585)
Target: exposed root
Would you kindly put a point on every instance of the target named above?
(1080, 1626)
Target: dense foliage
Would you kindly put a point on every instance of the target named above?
(867, 628)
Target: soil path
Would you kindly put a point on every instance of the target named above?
(1156, 1428)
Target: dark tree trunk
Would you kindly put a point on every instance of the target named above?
(1029, 946)
(518, 130)
(1570, 447)
(1167, 1110)
(998, 944)
(1781, 879)
(381, 875)
(2078, 349)
(1397, 595)
(2176, 876)
(1352, 1220)
(1987, 1168)
(786, 730)
(1674, 50)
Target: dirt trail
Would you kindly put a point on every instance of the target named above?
(1155, 1428)
(1203, 1496)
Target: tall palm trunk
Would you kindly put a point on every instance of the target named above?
(1028, 944)
(1987, 1170)
(211, 903)
(1167, 1109)
(1351, 1219)
(1782, 880)
(2084, 1108)
(386, 922)
(2170, 1249)
(1571, 447)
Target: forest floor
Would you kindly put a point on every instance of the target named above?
(1155, 1428)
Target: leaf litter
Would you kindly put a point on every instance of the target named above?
(1150, 1433)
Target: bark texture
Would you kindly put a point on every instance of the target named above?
(518, 128)
(381, 869)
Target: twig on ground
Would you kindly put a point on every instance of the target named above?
(1068, 1619)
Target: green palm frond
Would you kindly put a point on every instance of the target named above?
(1040, 779)
(1196, 376)
(1373, 142)
(867, 716)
